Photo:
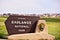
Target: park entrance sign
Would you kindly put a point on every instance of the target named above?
(18, 24)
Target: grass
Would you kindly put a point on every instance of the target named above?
(53, 27)
(3, 30)
(52, 19)
(2, 19)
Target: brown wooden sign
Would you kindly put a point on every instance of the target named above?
(17, 24)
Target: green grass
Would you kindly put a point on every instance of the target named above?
(2, 19)
(3, 30)
(52, 19)
(53, 27)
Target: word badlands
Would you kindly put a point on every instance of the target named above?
(20, 22)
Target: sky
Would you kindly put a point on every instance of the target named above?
(30, 6)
